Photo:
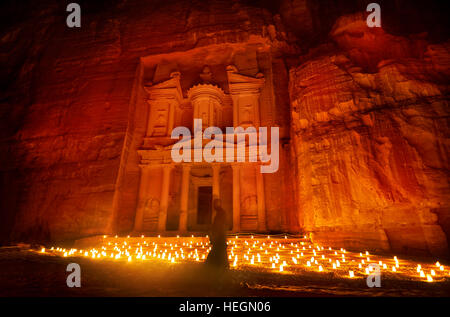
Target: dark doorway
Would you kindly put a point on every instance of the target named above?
(204, 205)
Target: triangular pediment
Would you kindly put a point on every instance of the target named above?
(238, 82)
(234, 78)
(170, 86)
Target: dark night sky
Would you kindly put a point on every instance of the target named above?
(399, 16)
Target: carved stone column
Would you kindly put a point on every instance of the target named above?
(216, 181)
(143, 189)
(261, 200)
(184, 198)
(236, 198)
(162, 219)
(216, 186)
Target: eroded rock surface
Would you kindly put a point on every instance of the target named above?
(371, 141)
(369, 134)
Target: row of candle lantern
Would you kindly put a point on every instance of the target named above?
(267, 253)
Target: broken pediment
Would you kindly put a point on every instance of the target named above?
(170, 88)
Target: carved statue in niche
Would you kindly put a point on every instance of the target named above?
(161, 122)
(159, 119)
(207, 76)
(151, 208)
(247, 115)
(250, 204)
(204, 110)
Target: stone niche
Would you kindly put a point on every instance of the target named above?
(225, 86)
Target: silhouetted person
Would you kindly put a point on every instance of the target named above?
(217, 257)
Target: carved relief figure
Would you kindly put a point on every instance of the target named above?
(159, 118)
(250, 204)
(151, 208)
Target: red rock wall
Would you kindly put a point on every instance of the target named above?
(371, 140)
(65, 102)
(368, 148)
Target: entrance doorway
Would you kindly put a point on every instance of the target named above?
(204, 205)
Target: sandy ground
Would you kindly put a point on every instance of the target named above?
(26, 273)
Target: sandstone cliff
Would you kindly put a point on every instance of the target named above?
(370, 126)
(365, 110)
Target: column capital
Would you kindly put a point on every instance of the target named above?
(186, 167)
(168, 167)
(148, 166)
(236, 166)
(216, 166)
